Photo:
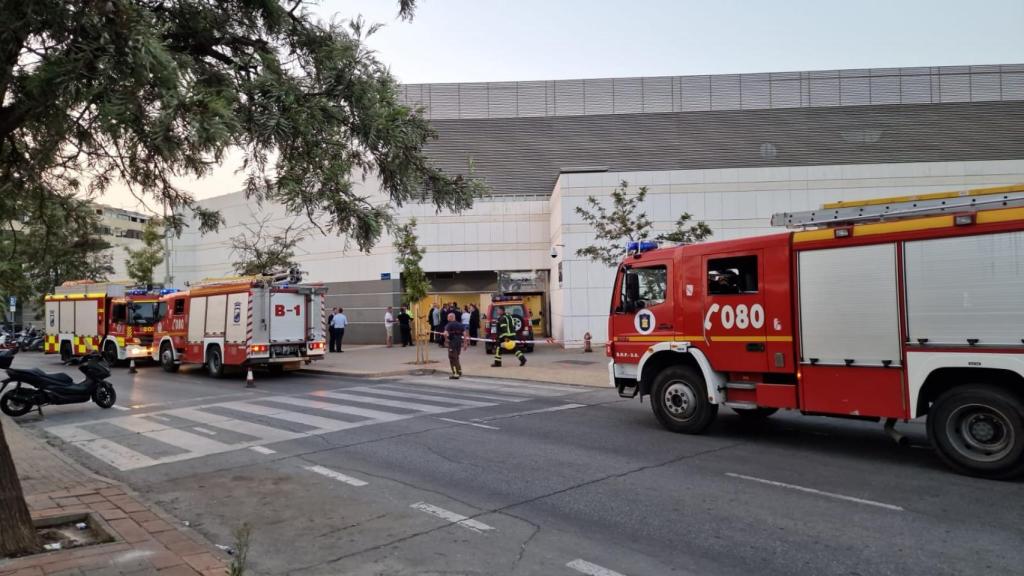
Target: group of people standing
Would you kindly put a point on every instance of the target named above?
(336, 323)
(439, 316)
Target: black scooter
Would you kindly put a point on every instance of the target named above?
(54, 387)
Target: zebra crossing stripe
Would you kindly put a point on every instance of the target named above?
(513, 390)
(341, 409)
(438, 399)
(384, 402)
(447, 393)
(321, 424)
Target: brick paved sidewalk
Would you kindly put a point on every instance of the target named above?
(147, 540)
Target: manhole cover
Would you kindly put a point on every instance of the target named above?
(575, 362)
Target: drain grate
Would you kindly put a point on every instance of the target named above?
(575, 362)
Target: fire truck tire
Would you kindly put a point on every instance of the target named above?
(214, 362)
(753, 414)
(978, 430)
(167, 358)
(65, 351)
(110, 353)
(679, 399)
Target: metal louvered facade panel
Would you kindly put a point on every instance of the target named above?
(813, 89)
(525, 155)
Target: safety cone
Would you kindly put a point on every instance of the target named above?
(131, 366)
(250, 382)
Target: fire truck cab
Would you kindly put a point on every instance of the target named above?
(881, 310)
(253, 321)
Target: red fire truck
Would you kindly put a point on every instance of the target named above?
(884, 310)
(84, 316)
(254, 321)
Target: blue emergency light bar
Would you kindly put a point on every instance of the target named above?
(137, 292)
(165, 291)
(639, 247)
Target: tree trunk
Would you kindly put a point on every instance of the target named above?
(17, 534)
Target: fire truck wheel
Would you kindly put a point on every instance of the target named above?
(110, 353)
(753, 414)
(214, 362)
(978, 430)
(679, 399)
(65, 351)
(167, 358)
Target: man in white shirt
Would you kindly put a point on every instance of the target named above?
(338, 323)
(389, 323)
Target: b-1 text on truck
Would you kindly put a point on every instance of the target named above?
(884, 310)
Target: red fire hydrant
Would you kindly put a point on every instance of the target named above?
(586, 342)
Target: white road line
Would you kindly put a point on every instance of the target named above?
(581, 565)
(116, 407)
(262, 450)
(340, 408)
(204, 430)
(454, 518)
(817, 492)
(386, 402)
(528, 412)
(158, 417)
(445, 392)
(454, 421)
(334, 475)
(439, 399)
(324, 424)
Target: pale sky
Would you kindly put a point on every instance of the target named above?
(478, 40)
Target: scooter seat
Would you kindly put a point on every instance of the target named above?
(55, 377)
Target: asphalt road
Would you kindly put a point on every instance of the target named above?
(414, 476)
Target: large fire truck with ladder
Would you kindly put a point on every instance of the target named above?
(888, 309)
(270, 321)
(84, 316)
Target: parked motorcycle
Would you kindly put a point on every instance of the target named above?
(55, 388)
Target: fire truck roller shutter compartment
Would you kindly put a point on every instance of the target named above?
(238, 317)
(968, 288)
(216, 311)
(196, 319)
(287, 317)
(85, 318)
(67, 317)
(850, 332)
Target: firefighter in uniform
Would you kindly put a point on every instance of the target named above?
(506, 338)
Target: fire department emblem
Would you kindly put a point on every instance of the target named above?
(237, 313)
(644, 322)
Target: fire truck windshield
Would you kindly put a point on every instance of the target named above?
(143, 313)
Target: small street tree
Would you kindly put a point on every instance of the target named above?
(415, 284)
(624, 222)
(262, 248)
(142, 261)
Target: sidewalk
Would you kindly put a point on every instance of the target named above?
(148, 541)
(547, 363)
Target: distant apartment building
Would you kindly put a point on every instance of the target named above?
(123, 229)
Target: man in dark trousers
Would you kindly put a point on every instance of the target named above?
(330, 329)
(454, 332)
(405, 326)
(506, 337)
(474, 323)
(435, 319)
(440, 327)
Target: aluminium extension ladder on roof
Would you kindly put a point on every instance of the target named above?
(901, 207)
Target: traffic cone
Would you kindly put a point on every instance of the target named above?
(250, 382)
(131, 366)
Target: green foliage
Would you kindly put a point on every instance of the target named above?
(415, 284)
(47, 242)
(142, 261)
(625, 223)
(147, 92)
(261, 248)
(240, 559)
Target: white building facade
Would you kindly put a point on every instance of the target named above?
(731, 150)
